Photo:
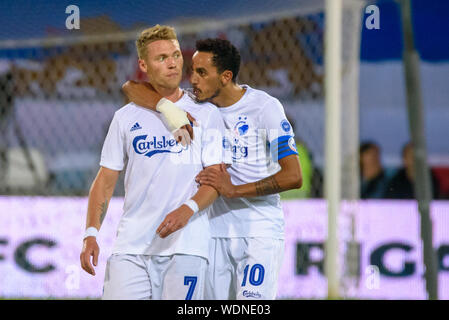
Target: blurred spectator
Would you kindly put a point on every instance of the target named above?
(401, 185)
(442, 175)
(374, 178)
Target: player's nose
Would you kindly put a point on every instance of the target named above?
(193, 79)
(171, 63)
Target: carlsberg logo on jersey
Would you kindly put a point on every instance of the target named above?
(247, 145)
(238, 150)
(154, 145)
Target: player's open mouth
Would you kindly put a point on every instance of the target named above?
(196, 91)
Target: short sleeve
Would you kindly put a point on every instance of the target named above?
(113, 154)
(213, 135)
(280, 133)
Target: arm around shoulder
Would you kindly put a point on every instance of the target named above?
(142, 94)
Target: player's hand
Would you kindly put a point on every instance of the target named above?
(176, 118)
(220, 180)
(90, 249)
(174, 221)
(184, 135)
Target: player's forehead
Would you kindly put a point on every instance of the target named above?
(202, 59)
(163, 47)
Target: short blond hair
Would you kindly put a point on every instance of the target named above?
(152, 34)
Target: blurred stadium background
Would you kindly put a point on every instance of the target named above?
(59, 89)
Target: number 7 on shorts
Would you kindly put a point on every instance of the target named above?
(192, 282)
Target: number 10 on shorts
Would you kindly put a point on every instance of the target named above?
(256, 274)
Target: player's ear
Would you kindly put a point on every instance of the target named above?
(142, 65)
(226, 77)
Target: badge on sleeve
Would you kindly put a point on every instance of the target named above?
(285, 125)
(292, 144)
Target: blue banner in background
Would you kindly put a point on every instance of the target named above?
(430, 19)
(35, 19)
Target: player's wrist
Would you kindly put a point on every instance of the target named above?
(232, 192)
(192, 205)
(90, 232)
(162, 105)
(175, 116)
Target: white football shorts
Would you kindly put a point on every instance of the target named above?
(149, 277)
(243, 268)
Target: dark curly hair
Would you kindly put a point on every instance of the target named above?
(225, 55)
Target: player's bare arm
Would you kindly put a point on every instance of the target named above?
(143, 94)
(99, 197)
(178, 218)
(289, 177)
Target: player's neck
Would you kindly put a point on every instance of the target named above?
(229, 95)
(171, 94)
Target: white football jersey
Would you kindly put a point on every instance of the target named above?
(160, 176)
(258, 135)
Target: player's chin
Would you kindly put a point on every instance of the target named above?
(201, 98)
(173, 83)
